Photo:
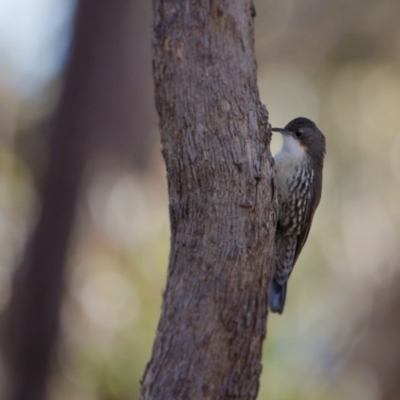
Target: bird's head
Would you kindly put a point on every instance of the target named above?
(302, 132)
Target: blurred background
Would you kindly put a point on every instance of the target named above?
(336, 62)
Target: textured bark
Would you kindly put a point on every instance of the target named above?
(215, 137)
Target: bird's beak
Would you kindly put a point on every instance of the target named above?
(280, 130)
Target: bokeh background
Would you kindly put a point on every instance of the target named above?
(336, 62)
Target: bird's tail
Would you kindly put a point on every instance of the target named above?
(277, 296)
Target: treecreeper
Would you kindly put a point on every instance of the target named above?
(299, 166)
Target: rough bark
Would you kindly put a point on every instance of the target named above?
(215, 137)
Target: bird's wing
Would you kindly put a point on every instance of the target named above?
(314, 197)
(285, 250)
(293, 229)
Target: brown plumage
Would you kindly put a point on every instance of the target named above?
(299, 182)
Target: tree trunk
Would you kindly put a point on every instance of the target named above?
(215, 137)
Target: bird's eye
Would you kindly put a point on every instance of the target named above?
(299, 134)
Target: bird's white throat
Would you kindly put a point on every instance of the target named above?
(292, 149)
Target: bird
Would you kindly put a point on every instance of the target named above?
(298, 171)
